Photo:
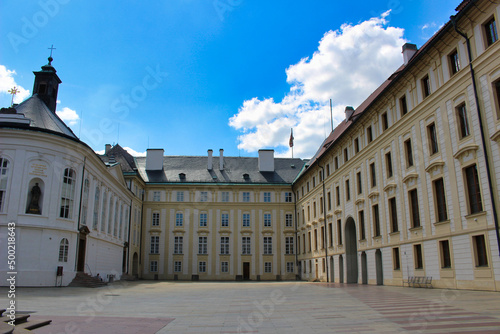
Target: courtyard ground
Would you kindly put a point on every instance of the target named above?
(257, 307)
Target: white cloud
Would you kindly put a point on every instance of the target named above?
(134, 153)
(70, 117)
(348, 66)
(7, 82)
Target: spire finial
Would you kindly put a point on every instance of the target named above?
(52, 48)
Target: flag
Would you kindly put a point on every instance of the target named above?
(291, 139)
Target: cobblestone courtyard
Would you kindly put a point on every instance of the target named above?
(258, 307)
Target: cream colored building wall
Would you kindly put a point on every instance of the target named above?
(447, 92)
(214, 207)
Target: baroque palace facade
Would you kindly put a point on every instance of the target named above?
(406, 185)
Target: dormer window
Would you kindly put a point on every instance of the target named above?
(182, 176)
(246, 177)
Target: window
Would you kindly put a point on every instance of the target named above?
(289, 267)
(403, 105)
(202, 266)
(315, 239)
(177, 266)
(415, 216)
(441, 212)
(463, 122)
(336, 163)
(444, 246)
(298, 244)
(480, 251)
(110, 220)
(246, 196)
(224, 220)
(417, 254)
(360, 184)
(356, 145)
(490, 29)
(203, 196)
(369, 134)
(95, 221)
(180, 196)
(454, 62)
(268, 245)
(246, 220)
(388, 163)
(409, 153)
(304, 242)
(245, 246)
(224, 245)
(288, 220)
(426, 86)
(346, 155)
(178, 241)
(307, 185)
(385, 121)
(309, 241)
(203, 220)
(85, 202)
(328, 170)
(394, 214)
(267, 220)
(224, 267)
(329, 195)
(314, 209)
(373, 174)
(337, 190)
(103, 213)
(202, 245)
(289, 245)
(155, 244)
(267, 267)
(288, 197)
(496, 89)
(156, 219)
(347, 191)
(153, 266)
(339, 232)
(179, 219)
(156, 196)
(63, 250)
(314, 181)
(362, 233)
(67, 193)
(376, 220)
(225, 196)
(267, 197)
(473, 190)
(322, 237)
(395, 258)
(433, 142)
(321, 205)
(330, 234)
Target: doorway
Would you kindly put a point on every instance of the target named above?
(246, 271)
(351, 251)
(82, 245)
(135, 265)
(332, 270)
(378, 267)
(364, 269)
(341, 269)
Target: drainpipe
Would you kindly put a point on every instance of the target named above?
(485, 152)
(79, 215)
(128, 237)
(325, 238)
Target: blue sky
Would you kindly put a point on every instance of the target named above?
(188, 75)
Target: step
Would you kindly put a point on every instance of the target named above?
(34, 324)
(19, 319)
(5, 328)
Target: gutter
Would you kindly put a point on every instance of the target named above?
(483, 140)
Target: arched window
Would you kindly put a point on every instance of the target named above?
(63, 250)
(110, 213)
(4, 178)
(68, 193)
(103, 214)
(96, 208)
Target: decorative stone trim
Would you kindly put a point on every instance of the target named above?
(496, 136)
(410, 179)
(359, 201)
(391, 186)
(373, 195)
(435, 168)
(466, 153)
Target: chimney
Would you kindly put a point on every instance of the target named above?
(154, 159)
(409, 51)
(210, 160)
(348, 112)
(107, 147)
(221, 159)
(266, 160)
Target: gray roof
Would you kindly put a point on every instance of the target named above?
(119, 155)
(42, 118)
(195, 170)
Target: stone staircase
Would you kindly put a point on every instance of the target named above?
(21, 324)
(86, 281)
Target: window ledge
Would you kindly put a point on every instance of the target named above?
(377, 237)
(444, 222)
(394, 233)
(476, 214)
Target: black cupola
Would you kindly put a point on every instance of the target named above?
(46, 85)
